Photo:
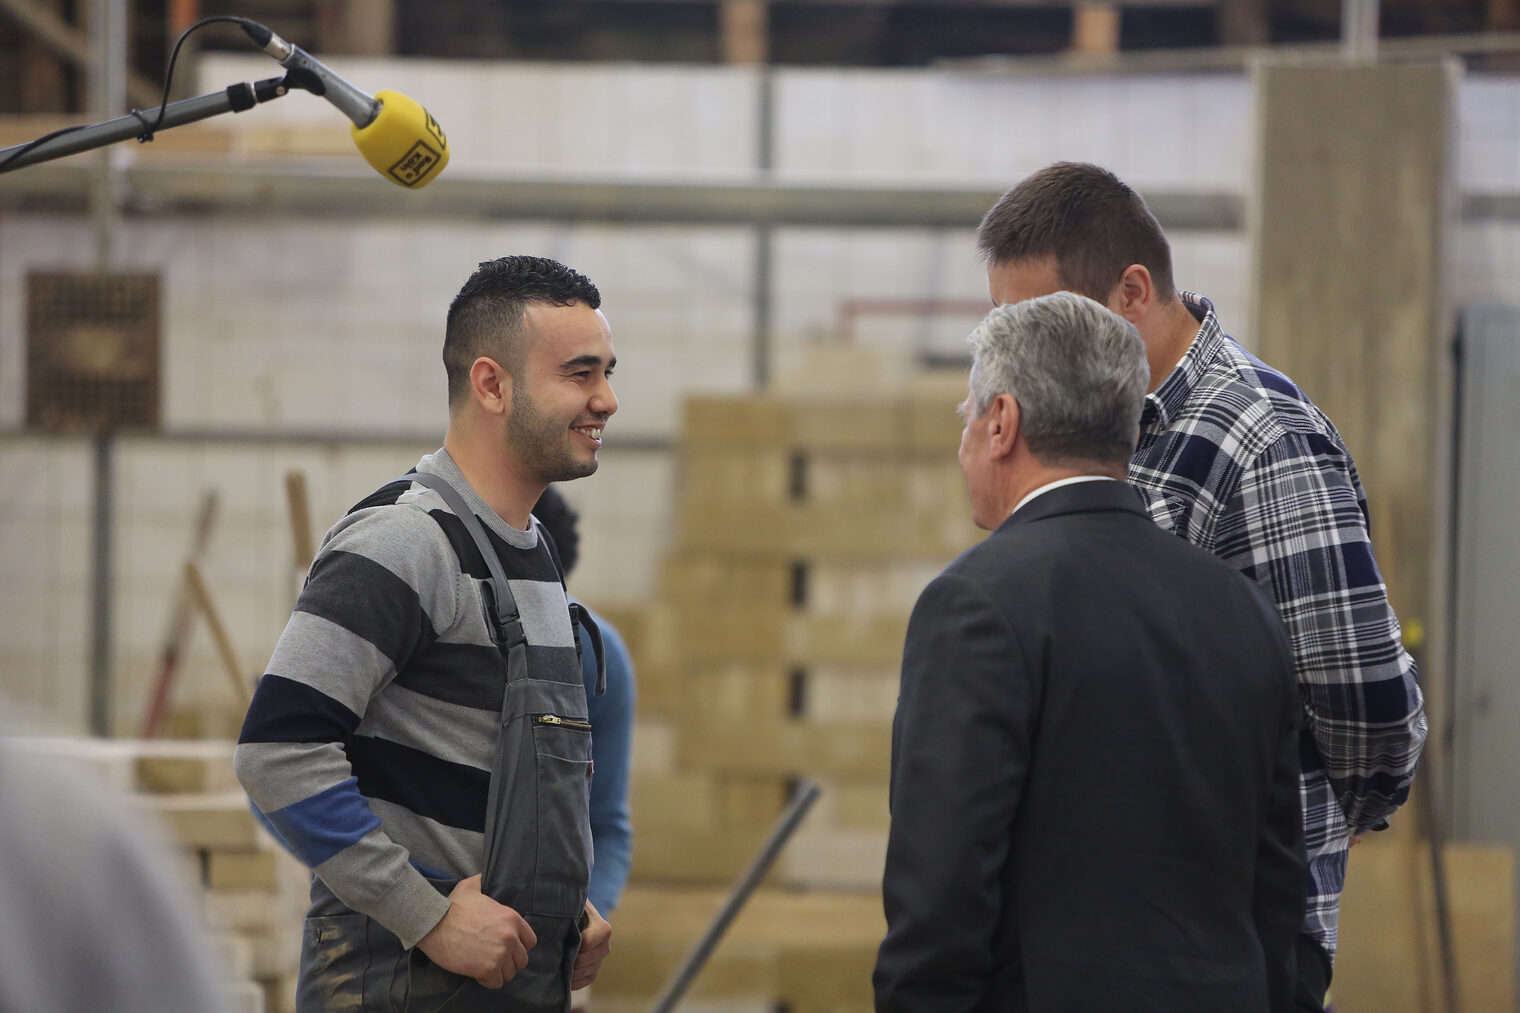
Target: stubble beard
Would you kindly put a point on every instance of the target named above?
(542, 445)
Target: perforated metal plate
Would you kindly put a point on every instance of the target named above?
(92, 351)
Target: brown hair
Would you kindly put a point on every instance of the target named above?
(1088, 220)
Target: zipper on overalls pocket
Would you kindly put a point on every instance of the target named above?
(559, 722)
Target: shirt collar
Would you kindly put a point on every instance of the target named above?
(1049, 486)
(1162, 404)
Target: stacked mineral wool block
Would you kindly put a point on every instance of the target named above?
(251, 891)
(806, 529)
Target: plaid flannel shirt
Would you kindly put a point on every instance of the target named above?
(1238, 461)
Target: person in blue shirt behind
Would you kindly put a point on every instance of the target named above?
(611, 716)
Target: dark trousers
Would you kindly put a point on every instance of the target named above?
(1313, 976)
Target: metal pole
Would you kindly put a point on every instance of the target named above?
(764, 297)
(1359, 30)
(108, 94)
(802, 800)
(233, 99)
(101, 579)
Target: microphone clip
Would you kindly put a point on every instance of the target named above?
(304, 79)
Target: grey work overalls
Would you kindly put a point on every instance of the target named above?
(538, 847)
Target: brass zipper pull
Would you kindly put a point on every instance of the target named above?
(558, 722)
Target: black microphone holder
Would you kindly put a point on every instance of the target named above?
(143, 125)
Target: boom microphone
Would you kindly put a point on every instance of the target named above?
(396, 136)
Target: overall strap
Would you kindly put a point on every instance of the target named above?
(582, 616)
(508, 619)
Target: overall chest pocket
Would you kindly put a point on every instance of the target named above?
(562, 752)
(540, 850)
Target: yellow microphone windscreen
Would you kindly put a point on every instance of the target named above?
(404, 143)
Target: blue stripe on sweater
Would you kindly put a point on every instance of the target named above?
(319, 827)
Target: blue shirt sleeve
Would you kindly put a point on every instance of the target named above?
(611, 717)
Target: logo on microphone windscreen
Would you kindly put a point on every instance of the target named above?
(436, 130)
(414, 168)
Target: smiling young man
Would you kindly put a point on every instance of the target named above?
(1237, 460)
(426, 757)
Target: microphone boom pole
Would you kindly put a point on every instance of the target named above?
(139, 124)
(398, 137)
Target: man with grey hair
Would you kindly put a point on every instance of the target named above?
(1094, 796)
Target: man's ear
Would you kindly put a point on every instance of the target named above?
(1135, 294)
(491, 386)
(1003, 424)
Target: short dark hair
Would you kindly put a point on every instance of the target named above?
(1086, 219)
(486, 316)
(559, 518)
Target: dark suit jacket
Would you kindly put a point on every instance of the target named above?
(1094, 777)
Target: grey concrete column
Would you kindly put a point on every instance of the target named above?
(1352, 209)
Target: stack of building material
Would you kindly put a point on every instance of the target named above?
(806, 529)
(252, 892)
(811, 950)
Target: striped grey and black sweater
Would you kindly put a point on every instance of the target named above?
(370, 740)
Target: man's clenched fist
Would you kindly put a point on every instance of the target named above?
(480, 938)
(596, 943)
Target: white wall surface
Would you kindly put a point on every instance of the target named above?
(286, 326)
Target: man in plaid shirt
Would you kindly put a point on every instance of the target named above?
(1238, 461)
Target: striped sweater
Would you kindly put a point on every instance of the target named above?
(370, 740)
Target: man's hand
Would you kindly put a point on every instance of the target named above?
(596, 943)
(480, 938)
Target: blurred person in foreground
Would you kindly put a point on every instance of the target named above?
(1095, 755)
(420, 737)
(92, 915)
(1234, 458)
(611, 715)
